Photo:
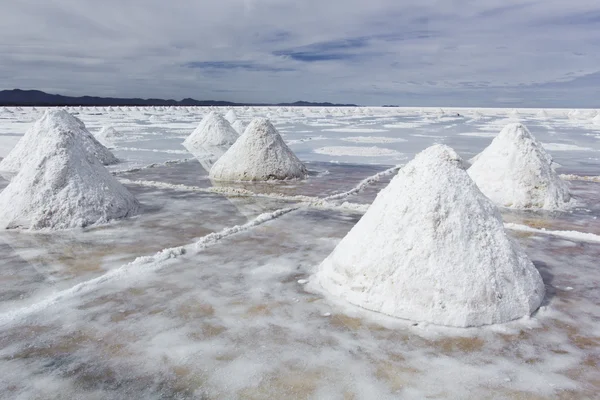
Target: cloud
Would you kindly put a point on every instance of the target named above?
(234, 65)
(422, 52)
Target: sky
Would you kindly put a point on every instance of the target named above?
(486, 53)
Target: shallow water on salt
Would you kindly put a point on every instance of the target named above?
(232, 321)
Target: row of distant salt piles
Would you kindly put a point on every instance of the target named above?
(58, 179)
(258, 154)
(432, 247)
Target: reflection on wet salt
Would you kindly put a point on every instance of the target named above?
(236, 309)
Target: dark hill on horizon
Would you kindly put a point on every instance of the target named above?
(18, 97)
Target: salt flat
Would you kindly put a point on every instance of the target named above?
(201, 295)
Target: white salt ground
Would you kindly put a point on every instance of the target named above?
(260, 154)
(355, 130)
(515, 171)
(565, 147)
(62, 185)
(356, 151)
(372, 139)
(433, 248)
(35, 136)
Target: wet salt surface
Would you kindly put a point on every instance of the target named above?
(35, 264)
(236, 324)
(232, 320)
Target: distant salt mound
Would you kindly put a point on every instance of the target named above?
(231, 116)
(542, 114)
(515, 171)
(433, 248)
(596, 119)
(260, 154)
(62, 185)
(107, 135)
(213, 130)
(53, 120)
(211, 139)
(239, 126)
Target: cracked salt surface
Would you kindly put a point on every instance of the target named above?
(229, 318)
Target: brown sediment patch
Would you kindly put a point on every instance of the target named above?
(207, 331)
(451, 345)
(194, 310)
(395, 375)
(229, 356)
(521, 234)
(289, 384)
(185, 381)
(264, 309)
(513, 394)
(538, 223)
(23, 333)
(342, 321)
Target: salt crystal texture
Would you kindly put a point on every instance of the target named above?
(260, 154)
(62, 185)
(515, 171)
(35, 137)
(433, 248)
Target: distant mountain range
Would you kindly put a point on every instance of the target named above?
(18, 97)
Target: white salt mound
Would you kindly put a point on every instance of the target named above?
(213, 130)
(239, 126)
(211, 139)
(107, 135)
(260, 154)
(230, 116)
(433, 248)
(34, 138)
(596, 119)
(515, 171)
(62, 185)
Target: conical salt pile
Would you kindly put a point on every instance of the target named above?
(62, 185)
(239, 126)
(515, 171)
(213, 130)
(433, 248)
(260, 154)
(36, 134)
(231, 116)
(596, 119)
(107, 135)
(211, 139)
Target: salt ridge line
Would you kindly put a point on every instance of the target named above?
(571, 235)
(571, 177)
(151, 150)
(364, 183)
(229, 191)
(308, 201)
(154, 165)
(140, 265)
